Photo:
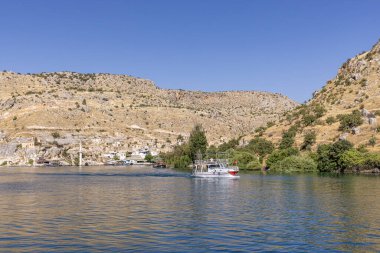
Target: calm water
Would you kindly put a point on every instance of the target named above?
(154, 210)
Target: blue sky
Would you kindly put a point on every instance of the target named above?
(291, 47)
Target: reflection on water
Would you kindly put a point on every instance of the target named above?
(145, 209)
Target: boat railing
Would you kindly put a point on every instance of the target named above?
(198, 167)
(212, 161)
(236, 168)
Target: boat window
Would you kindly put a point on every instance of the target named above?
(213, 166)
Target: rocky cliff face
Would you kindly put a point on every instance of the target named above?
(355, 87)
(118, 113)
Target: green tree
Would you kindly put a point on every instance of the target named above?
(197, 142)
(84, 102)
(348, 121)
(325, 163)
(181, 162)
(287, 140)
(212, 151)
(329, 156)
(353, 159)
(233, 143)
(372, 160)
(309, 140)
(254, 165)
(179, 157)
(260, 146)
(245, 160)
(149, 158)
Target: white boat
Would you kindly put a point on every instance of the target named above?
(214, 168)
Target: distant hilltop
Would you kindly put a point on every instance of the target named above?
(120, 112)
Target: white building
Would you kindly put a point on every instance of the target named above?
(142, 152)
(111, 155)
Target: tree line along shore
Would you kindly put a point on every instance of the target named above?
(261, 154)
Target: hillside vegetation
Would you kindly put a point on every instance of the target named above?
(335, 131)
(346, 108)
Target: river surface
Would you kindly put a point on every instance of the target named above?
(141, 209)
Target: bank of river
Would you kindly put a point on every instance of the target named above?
(154, 210)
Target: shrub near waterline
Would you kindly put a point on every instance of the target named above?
(353, 159)
(245, 160)
(179, 157)
(329, 156)
(254, 165)
(356, 160)
(181, 162)
(372, 160)
(295, 164)
(280, 154)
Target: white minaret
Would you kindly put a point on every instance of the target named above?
(80, 153)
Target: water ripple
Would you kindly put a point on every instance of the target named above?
(97, 209)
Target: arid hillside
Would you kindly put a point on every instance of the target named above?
(119, 112)
(354, 91)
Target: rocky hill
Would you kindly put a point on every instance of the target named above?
(354, 91)
(51, 112)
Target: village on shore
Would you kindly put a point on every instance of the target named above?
(70, 150)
